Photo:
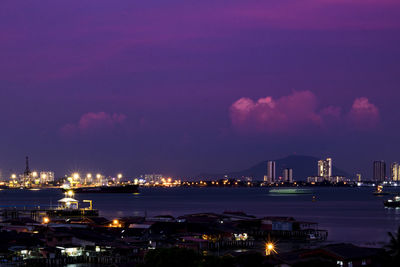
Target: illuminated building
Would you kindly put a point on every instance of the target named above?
(395, 171)
(379, 171)
(358, 177)
(153, 178)
(288, 175)
(271, 171)
(325, 168)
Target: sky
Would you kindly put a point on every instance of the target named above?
(183, 87)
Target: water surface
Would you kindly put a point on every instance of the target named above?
(349, 214)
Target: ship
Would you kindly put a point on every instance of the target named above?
(392, 203)
(379, 191)
(132, 188)
(290, 191)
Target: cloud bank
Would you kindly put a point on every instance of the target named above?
(93, 122)
(298, 112)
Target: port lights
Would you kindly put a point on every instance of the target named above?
(70, 193)
(115, 223)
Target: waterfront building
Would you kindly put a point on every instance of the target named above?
(153, 178)
(271, 171)
(288, 175)
(332, 179)
(358, 177)
(379, 171)
(315, 179)
(395, 171)
(325, 168)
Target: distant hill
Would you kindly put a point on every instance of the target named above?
(303, 166)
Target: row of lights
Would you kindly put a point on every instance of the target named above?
(34, 174)
(76, 175)
(270, 247)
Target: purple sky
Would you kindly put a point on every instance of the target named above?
(183, 87)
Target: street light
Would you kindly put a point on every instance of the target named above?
(269, 248)
(70, 193)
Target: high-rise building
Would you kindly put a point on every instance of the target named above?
(358, 177)
(271, 171)
(325, 168)
(379, 174)
(395, 171)
(288, 175)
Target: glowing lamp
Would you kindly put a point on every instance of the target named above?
(269, 248)
(46, 220)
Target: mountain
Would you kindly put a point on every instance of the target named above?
(303, 166)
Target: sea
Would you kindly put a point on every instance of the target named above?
(350, 214)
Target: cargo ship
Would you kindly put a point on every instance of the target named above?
(132, 188)
(392, 203)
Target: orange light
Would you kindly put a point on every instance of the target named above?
(46, 220)
(269, 248)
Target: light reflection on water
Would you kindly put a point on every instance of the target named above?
(350, 214)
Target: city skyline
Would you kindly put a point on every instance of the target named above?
(184, 88)
(379, 172)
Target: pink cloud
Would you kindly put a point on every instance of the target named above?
(296, 113)
(93, 122)
(363, 114)
(287, 113)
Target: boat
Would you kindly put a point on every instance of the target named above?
(106, 189)
(379, 191)
(290, 191)
(392, 203)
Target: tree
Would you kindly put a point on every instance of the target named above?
(394, 246)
